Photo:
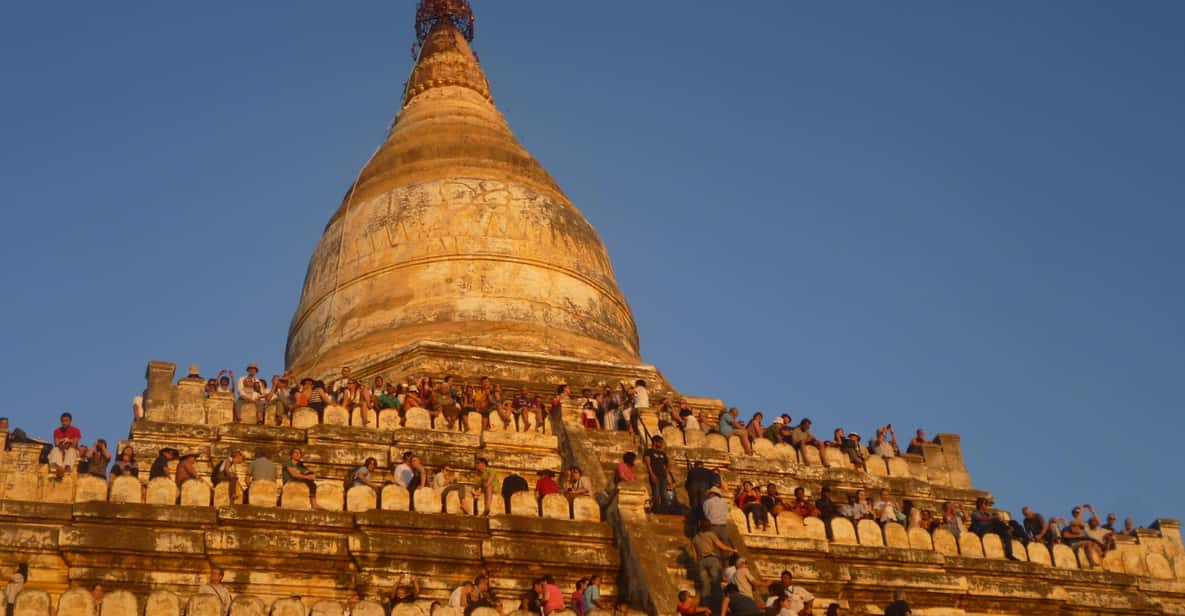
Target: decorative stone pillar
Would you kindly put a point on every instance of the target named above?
(158, 398)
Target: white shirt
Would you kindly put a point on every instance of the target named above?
(218, 590)
(454, 600)
(691, 423)
(798, 598)
(716, 510)
(67, 458)
(247, 392)
(888, 513)
(641, 398)
(403, 474)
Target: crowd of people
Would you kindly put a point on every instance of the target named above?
(447, 401)
(543, 597)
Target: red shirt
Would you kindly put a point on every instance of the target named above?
(545, 486)
(71, 433)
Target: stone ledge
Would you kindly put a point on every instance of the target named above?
(142, 514)
(33, 510)
(272, 517)
(526, 525)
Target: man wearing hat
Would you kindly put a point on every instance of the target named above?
(160, 466)
(851, 448)
(62, 458)
(251, 394)
(187, 467)
(716, 513)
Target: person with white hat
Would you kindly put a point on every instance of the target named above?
(252, 392)
(716, 513)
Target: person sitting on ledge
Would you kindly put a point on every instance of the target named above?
(160, 466)
(857, 508)
(801, 505)
(227, 472)
(295, 470)
(62, 459)
(389, 399)
(546, 484)
(754, 430)
(97, 459)
(688, 606)
(1129, 528)
(1104, 538)
(446, 481)
(279, 400)
(690, 421)
(625, 468)
(319, 399)
(186, 468)
(578, 484)
(851, 448)
(886, 509)
(339, 385)
(749, 501)
(126, 463)
(915, 444)
(364, 475)
(67, 430)
(773, 500)
(737, 604)
(407, 590)
(419, 479)
(885, 442)
(801, 438)
(731, 424)
(1111, 520)
(251, 394)
(403, 472)
(826, 507)
(1074, 536)
(485, 484)
(984, 521)
(1035, 527)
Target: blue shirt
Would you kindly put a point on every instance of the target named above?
(725, 424)
(592, 593)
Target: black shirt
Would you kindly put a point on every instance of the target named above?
(740, 605)
(827, 508)
(159, 468)
(1034, 525)
(897, 608)
(512, 484)
(658, 462)
(701, 476)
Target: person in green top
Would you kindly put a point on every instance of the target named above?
(389, 399)
(295, 470)
(485, 476)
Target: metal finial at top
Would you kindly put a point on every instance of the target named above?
(431, 12)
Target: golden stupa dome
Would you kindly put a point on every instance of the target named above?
(454, 234)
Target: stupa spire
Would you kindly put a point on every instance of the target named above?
(429, 13)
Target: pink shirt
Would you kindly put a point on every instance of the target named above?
(624, 472)
(555, 597)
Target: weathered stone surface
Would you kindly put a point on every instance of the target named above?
(1019, 551)
(389, 420)
(716, 441)
(295, 495)
(32, 603)
(203, 605)
(1159, 566)
(120, 603)
(555, 506)
(815, 529)
(76, 602)
(162, 603)
(843, 532)
(22, 486)
(126, 489)
(304, 417)
(333, 415)
(408, 609)
(58, 491)
(672, 436)
(369, 419)
(361, 498)
(585, 508)
(789, 524)
(396, 498)
(427, 500)
(288, 607)
(870, 533)
(1063, 557)
(969, 545)
(944, 542)
(1039, 554)
(326, 608)
(919, 539)
(264, 493)
(90, 488)
(417, 418)
(247, 606)
(695, 438)
(161, 491)
(195, 493)
(763, 448)
(329, 494)
(895, 536)
(523, 503)
(898, 467)
(992, 547)
(785, 453)
(370, 608)
(877, 466)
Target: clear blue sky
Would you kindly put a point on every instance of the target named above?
(966, 217)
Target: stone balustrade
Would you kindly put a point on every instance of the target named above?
(1155, 553)
(331, 496)
(78, 602)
